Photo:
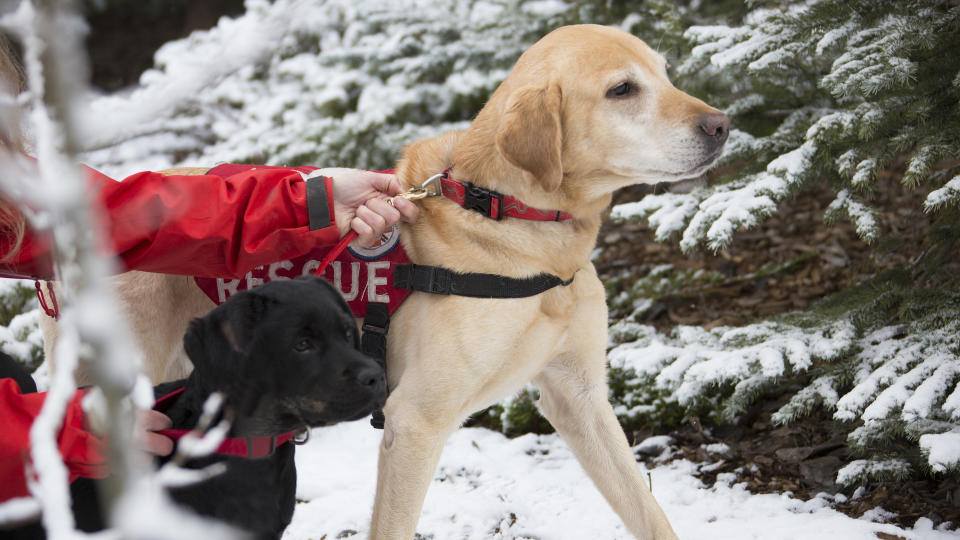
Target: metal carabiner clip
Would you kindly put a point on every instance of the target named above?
(432, 185)
(430, 188)
(301, 437)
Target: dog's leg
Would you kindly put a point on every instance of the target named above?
(409, 452)
(573, 397)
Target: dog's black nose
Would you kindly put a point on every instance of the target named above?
(365, 376)
(716, 126)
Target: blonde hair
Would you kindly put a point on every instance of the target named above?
(12, 222)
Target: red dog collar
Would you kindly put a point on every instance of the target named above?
(249, 447)
(492, 204)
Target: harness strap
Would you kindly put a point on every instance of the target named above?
(437, 280)
(373, 343)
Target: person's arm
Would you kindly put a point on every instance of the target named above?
(83, 452)
(224, 227)
(216, 227)
(196, 225)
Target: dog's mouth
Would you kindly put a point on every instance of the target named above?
(325, 413)
(685, 181)
(708, 162)
(702, 167)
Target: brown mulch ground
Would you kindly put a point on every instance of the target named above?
(804, 456)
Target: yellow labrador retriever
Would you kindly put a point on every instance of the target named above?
(587, 110)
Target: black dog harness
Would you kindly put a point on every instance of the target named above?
(439, 280)
(247, 447)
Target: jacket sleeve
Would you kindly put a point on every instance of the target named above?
(82, 452)
(204, 225)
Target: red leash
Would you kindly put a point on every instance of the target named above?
(335, 252)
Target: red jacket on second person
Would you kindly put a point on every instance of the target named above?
(83, 453)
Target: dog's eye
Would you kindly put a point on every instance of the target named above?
(348, 328)
(304, 345)
(623, 89)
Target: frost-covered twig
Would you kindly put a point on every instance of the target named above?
(19, 510)
(51, 482)
(51, 35)
(202, 441)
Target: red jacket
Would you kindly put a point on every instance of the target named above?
(197, 225)
(82, 452)
(193, 225)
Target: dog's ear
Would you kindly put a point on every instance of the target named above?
(197, 347)
(210, 345)
(239, 318)
(206, 354)
(345, 308)
(228, 328)
(529, 134)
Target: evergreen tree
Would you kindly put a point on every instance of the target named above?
(823, 92)
(341, 82)
(827, 92)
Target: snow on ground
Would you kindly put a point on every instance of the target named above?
(490, 487)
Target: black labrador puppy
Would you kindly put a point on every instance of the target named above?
(286, 357)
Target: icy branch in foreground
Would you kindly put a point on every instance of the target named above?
(51, 482)
(90, 322)
(19, 510)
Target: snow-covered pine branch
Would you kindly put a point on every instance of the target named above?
(839, 89)
(887, 381)
(340, 82)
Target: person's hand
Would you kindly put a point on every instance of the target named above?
(144, 437)
(360, 203)
(144, 425)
